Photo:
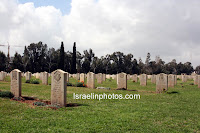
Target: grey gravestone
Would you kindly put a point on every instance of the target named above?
(67, 77)
(78, 76)
(45, 78)
(2, 75)
(99, 78)
(16, 82)
(82, 77)
(196, 80)
(28, 76)
(91, 80)
(122, 80)
(104, 77)
(143, 79)
(135, 78)
(153, 79)
(128, 77)
(171, 80)
(161, 83)
(184, 78)
(58, 88)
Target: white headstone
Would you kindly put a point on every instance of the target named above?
(161, 83)
(58, 88)
(122, 80)
(91, 80)
(16, 82)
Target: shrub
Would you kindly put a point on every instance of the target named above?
(80, 84)
(27, 81)
(69, 84)
(39, 104)
(35, 82)
(6, 94)
(178, 79)
(110, 79)
(18, 98)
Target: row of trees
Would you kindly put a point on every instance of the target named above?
(37, 58)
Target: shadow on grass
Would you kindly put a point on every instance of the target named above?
(125, 89)
(75, 105)
(173, 92)
(29, 98)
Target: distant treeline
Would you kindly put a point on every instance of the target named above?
(38, 58)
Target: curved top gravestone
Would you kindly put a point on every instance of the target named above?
(58, 88)
(16, 82)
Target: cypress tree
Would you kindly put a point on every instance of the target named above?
(74, 59)
(62, 56)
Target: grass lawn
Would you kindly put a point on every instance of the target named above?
(167, 112)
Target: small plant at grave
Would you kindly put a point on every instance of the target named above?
(80, 84)
(69, 84)
(53, 106)
(109, 79)
(27, 81)
(164, 90)
(6, 94)
(191, 83)
(39, 104)
(35, 81)
(18, 99)
(178, 79)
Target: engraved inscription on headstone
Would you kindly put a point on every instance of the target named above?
(171, 80)
(91, 80)
(135, 78)
(58, 88)
(143, 79)
(122, 81)
(45, 78)
(16, 82)
(82, 77)
(99, 78)
(161, 83)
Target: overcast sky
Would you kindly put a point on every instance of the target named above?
(168, 28)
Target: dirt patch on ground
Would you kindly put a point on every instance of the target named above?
(31, 100)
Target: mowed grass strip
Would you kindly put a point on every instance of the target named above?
(176, 111)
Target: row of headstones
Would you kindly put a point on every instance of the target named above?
(102, 77)
(58, 84)
(59, 87)
(162, 81)
(40, 76)
(3, 75)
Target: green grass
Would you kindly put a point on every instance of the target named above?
(167, 112)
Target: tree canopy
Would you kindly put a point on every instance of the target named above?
(37, 58)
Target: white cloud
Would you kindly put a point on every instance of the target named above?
(167, 28)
